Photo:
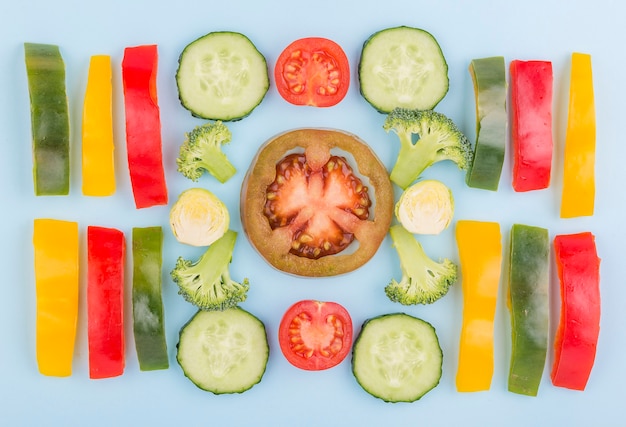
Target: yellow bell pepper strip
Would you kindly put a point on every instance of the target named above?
(578, 194)
(480, 255)
(148, 319)
(49, 119)
(143, 126)
(105, 301)
(97, 132)
(529, 277)
(56, 256)
(489, 78)
(577, 334)
(531, 124)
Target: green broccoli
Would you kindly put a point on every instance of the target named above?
(426, 137)
(207, 283)
(424, 280)
(202, 150)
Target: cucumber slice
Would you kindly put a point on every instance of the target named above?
(221, 76)
(223, 351)
(402, 67)
(397, 357)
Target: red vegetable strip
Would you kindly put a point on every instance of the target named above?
(579, 326)
(531, 124)
(143, 126)
(105, 301)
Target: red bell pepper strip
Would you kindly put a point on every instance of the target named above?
(531, 124)
(105, 301)
(576, 338)
(143, 126)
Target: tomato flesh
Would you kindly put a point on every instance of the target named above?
(315, 335)
(306, 200)
(307, 194)
(312, 71)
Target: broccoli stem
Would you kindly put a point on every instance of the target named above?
(218, 164)
(412, 159)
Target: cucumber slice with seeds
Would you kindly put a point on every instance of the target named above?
(397, 357)
(403, 67)
(223, 351)
(221, 76)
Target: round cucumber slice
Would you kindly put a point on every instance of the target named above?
(397, 357)
(403, 67)
(221, 76)
(223, 351)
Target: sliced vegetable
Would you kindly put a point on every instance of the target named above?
(315, 335)
(397, 357)
(206, 283)
(531, 124)
(98, 168)
(579, 187)
(148, 316)
(426, 207)
(198, 217)
(50, 125)
(529, 277)
(424, 280)
(143, 126)
(221, 76)
(312, 71)
(56, 251)
(577, 334)
(223, 351)
(402, 67)
(302, 205)
(480, 254)
(105, 301)
(426, 137)
(202, 151)
(489, 77)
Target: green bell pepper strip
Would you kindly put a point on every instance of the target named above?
(529, 277)
(148, 319)
(50, 126)
(489, 78)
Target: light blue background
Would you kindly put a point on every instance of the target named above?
(531, 29)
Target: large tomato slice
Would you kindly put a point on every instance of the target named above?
(316, 202)
(315, 335)
(312, 71)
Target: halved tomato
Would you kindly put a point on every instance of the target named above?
(316, 202)
(312, 71)
(315, 335)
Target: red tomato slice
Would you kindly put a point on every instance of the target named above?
(315, 335)
(312, 71)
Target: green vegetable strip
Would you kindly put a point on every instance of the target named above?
(148, 319)
(489, 77)
(49, 119)
(529, 307)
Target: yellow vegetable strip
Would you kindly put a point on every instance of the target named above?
(97, 160)
(56, 253)
(480, 254)
(580, 142)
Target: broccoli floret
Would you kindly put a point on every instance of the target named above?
(207, 283)
(424, 280)
(202, 150)
(426, 137)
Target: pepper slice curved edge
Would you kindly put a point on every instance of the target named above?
(577, 334)
(480, 254)
(56, 262)
(143, 126)
(50, 125)
(148, 318)
(528, 304)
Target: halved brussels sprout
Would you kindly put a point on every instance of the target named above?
(199, 217)
(426, 207)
